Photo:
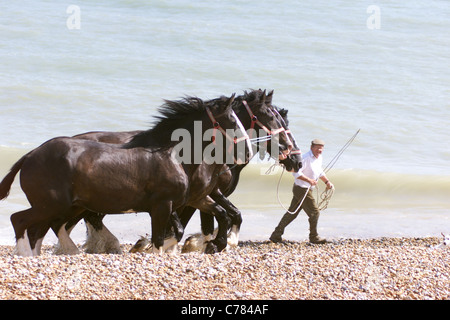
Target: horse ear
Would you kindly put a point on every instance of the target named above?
(231, 100)
(269, 97)
(263, 97)
(226, 102)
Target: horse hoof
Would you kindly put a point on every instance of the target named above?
(211, 248)
(144, 244)
(220, 245)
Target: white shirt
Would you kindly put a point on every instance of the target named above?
(311, 168)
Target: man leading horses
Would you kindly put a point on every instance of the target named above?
(305, 180)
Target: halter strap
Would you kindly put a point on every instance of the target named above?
(217, 126)
(255, 119)
(288, 131)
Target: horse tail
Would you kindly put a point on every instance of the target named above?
(7, 181)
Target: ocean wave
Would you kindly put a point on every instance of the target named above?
(354, 188)
(261, 184)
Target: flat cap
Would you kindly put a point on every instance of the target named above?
(318, 141)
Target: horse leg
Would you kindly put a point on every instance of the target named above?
(186, 215)
(66, 245)
(160, 215)
(200, 242)
(207, 225)
(23, 247)
(58, 225)
(99, 238)
(234, 213)
(209, 206)
(174, 234)
(22, 221)
(36, 235)
(60, 248)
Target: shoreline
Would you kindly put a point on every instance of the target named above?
(346, 269)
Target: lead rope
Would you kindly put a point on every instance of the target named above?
(325, 198)
(328, 193)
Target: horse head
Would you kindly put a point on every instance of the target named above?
(232, 137)
(255, 112)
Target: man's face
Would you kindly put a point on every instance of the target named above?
(317, 150)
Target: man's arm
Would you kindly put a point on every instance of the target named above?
(312, 182)
(326, 181)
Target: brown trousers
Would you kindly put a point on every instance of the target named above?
(309, 205)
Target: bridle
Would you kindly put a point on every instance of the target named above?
(217, 126)
(288, 132)
(255, 120)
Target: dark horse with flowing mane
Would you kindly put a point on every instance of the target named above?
(65, 176)
(100, 239)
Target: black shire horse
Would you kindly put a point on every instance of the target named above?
(228, 183)
(65, 176)
(100, 239)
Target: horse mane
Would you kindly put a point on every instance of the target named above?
(248, 96)
(283, 113)
(173, 114)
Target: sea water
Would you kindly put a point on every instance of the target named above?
(382, 67)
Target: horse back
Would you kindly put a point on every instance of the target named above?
(98, 176)
(108, 137)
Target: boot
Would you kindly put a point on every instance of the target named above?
(313, 235)
(279, 230)
(317, 240)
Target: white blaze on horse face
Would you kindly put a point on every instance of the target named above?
(244, 134)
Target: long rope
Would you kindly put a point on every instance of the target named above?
(327, 194)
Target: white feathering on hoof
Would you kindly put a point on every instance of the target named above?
(233, 237)
(101, 241)
(144, 244)
(23, 247)
(197, 242)
(445, 242)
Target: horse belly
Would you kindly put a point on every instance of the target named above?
(103, 193)
(125, 183)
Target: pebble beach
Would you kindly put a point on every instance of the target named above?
(345, 269)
